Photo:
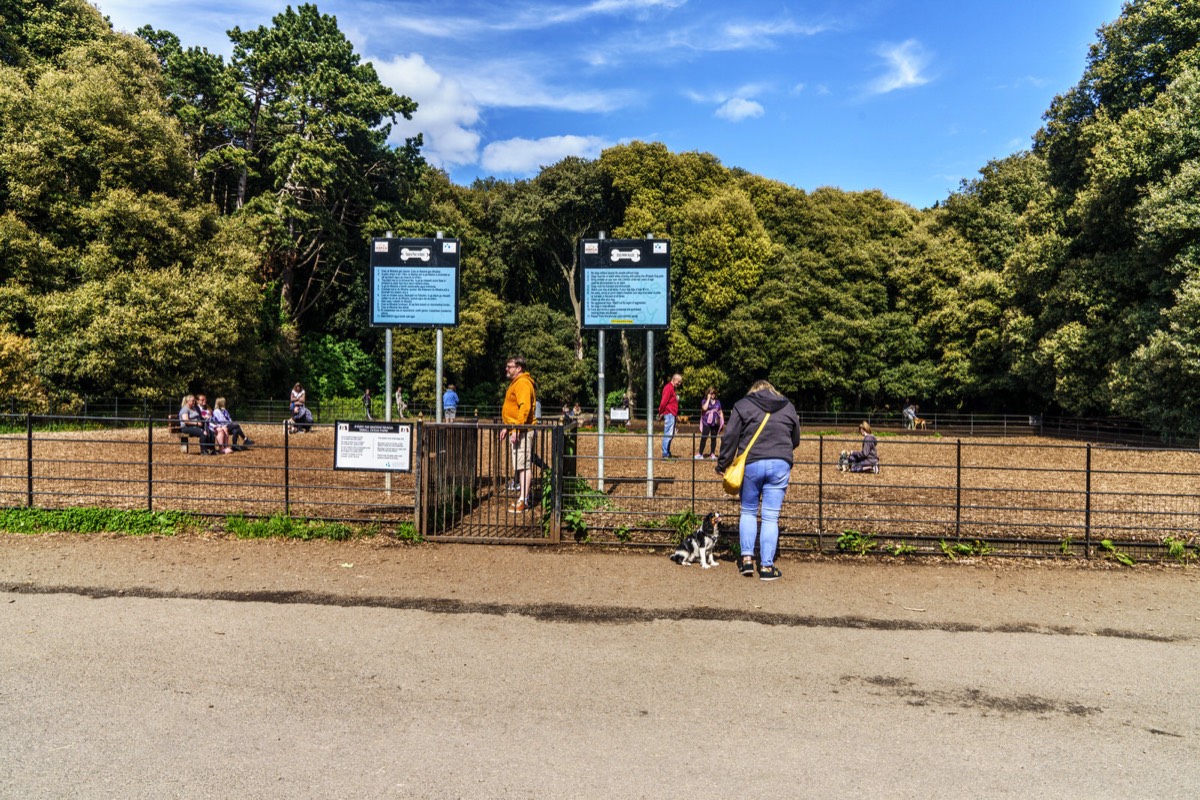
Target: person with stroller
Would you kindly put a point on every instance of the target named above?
(864, 460)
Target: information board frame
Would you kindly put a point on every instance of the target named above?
(626, 284)
(414, 283)
(364, 446)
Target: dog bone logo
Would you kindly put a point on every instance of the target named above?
(633, 254)
(422, 253)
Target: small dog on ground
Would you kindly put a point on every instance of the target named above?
(918, 423)
(844, 461)
(701, 544)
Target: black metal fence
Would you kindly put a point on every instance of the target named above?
(935, 494)
(1113, 430)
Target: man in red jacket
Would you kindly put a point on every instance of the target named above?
(668, 409)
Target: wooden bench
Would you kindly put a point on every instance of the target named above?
(173, 429)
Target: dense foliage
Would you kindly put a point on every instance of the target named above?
(170, 220)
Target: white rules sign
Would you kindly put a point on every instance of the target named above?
(383, 446)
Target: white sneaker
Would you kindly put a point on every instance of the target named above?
(699, 457)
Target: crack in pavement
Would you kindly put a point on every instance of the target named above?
(577, 613)
(971, 698)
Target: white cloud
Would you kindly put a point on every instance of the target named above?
(737, 109)
(729, 36)
(905, 62)
(527, 156)
(508, 17)
(446, 111)
(734, 106)
(450, 109)
(511, 84)
(744, 35)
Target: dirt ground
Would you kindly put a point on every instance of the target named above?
(207, 667)
(929, 486)
(578, 584)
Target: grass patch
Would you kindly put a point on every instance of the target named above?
(96, 520)
(281, 526)
(407, 532)
(856, 542)
(682, 524)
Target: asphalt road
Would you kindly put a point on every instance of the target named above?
(173, 694)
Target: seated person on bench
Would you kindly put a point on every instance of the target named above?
(191, 422)
(221, 418)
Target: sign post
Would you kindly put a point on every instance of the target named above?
(413, 283)
(627, 286)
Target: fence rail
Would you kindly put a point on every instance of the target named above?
(1020, 495)
(1112, 430)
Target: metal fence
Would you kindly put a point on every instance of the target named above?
(1113, 430)
(934, 494)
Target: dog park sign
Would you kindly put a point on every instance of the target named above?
(626, 283)
(414, 283)
(379, 446)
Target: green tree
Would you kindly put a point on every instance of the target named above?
(314, 128)
(539, 230)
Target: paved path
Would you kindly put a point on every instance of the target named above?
(216, 669)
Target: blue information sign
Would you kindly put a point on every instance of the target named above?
(626, 283)
(414, 283)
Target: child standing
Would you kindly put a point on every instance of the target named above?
(712, 422)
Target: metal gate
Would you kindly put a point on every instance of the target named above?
(467, 488)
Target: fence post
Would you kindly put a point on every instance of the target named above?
(1087, 504)
(420, 519)
(29, 460)
(149, 464)
(821, 494)
(695, 449)
(287, 497)
(559, 457)
(958, 490)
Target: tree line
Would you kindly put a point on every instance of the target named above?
(171, 219)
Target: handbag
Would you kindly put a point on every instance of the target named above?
(732, 477)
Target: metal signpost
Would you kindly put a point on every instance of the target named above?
(626, 286)
(413, 283)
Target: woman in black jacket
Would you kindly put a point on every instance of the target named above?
(768, 470)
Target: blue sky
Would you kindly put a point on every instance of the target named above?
(906, 96)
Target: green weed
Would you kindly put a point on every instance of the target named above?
(953, 550)
(407, 532)
(1178, 549)
(683, 523)
(1111, 551)
(96, 520)
(623, 534)
(899, 549)
(281, 526)
(856, 542)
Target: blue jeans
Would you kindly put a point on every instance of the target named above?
(767, 479)
(668, 433)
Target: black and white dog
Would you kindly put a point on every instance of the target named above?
(702, 544)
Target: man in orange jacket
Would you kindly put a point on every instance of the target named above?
(520, 401)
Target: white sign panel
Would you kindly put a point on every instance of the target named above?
(381, 446)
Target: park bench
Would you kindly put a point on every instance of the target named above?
(174, 429)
